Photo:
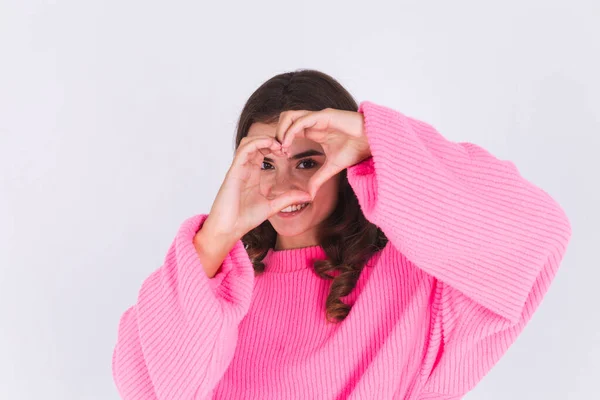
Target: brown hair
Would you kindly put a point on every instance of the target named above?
(347, 237)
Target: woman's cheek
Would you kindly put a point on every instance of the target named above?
(327, 194)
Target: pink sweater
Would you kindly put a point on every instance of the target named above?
(473, 249)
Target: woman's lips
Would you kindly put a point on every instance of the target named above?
(293, 213)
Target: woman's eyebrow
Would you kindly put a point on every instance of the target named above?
(306, 153)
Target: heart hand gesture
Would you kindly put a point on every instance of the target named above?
(341, 133)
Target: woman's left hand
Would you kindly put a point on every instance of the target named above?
(341, 133)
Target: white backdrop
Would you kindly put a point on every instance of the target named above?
(117, 121)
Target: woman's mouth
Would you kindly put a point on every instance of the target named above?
(293, 210)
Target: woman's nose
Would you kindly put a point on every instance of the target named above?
(282, 183)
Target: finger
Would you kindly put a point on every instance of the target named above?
(274, 148)
(286, 119)
(298, 129)
(287, 199)
(323, 174)
(311, 126)
(249, 148)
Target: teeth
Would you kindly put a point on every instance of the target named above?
(294, 207)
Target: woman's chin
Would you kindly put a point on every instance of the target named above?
(289, 232)
(288, 229)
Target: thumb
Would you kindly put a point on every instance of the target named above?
(287, 199)
(322, 175)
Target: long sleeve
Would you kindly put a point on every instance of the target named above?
(178, 339)
(492, 240)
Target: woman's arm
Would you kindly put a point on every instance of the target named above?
(491, 239)
(178, 339)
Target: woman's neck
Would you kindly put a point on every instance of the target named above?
(295, 242)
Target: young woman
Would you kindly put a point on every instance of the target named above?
(352, 252)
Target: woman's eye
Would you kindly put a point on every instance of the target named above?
(266, 163)
(307, 164)
(312, 163)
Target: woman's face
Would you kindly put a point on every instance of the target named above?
(280, 174)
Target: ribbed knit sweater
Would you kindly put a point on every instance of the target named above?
(473, 248)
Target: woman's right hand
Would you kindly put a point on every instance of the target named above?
(239, 205)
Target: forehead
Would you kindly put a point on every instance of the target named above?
(260, 128)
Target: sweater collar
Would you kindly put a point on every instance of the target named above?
(292, 259)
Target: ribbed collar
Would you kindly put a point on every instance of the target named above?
(293, 259)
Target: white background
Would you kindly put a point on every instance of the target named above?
(117, 121)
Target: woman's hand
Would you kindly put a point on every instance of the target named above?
(239, 206)
(341, 133)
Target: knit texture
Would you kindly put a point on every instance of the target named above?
(473, 248)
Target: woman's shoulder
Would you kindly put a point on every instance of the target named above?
(387, 255)
(395, 264)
